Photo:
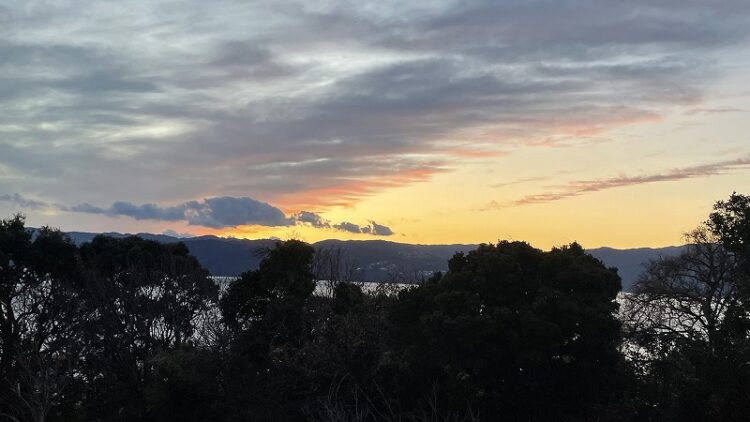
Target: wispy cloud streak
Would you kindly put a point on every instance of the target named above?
(582, 187)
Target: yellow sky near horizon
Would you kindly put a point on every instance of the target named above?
(473, 204)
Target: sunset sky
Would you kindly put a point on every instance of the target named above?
(613, 123)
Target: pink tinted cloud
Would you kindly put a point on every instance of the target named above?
(349, 191)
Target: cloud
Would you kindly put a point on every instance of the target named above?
(520, 181)
(315, 220)
(218, 212)
(23, 202)
(345, 191)
(582, 187)
(380, 230)
(312, 219)
(348, 227)
(138, 212)
(228, 211)
(247, 60)
(373, 228)
(713, 110)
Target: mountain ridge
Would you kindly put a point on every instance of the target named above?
(376, 260)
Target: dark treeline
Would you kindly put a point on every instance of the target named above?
(134, 330)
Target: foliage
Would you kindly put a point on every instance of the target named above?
(511, 330)
(142, 298)
(688, 324)
(39, 320)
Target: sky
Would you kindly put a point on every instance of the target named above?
(607, 122)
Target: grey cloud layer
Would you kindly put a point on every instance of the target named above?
(159, 102)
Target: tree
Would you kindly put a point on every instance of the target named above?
(142, 298)
(685, 298)
(688, 323)
(511, 332)
(39, 316)
(284, 279)
(268, 312)
(186, 385)
(331, 267)
(730, 223)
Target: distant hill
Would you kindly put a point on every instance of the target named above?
(221, 256)
(630, 263)
(375, 260)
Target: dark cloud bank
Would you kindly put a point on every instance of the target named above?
(217, 213)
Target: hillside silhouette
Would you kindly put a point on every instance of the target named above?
(376, 260)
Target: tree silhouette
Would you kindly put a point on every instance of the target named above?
(39, 319)
(142, 298)
(688, 323)
(514, 331)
